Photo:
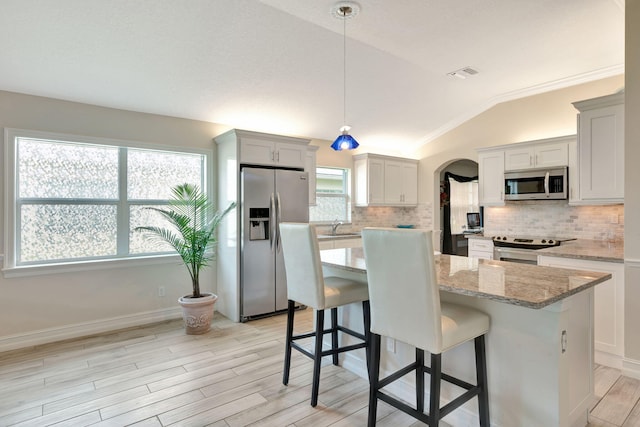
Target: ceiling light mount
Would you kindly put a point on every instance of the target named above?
(345, 10)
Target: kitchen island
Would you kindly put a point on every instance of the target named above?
(539, 347)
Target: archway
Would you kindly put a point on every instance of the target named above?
(457, 167)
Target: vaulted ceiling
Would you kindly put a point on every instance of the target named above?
(277, 65)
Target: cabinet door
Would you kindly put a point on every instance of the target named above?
(348, 243)
(257, 151)
(410, 183)
(375, 180)
(491, 178)
(608, 301)
(393, 177)
(601, 153)
(325, 244)
(291, 155)
(551, 155)
(518, 158)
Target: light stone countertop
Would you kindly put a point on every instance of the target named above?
(524, 285)
(592, 250)
(339, 236)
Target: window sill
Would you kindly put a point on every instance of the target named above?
(74, 267)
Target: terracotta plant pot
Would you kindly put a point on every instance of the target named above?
(197, 313)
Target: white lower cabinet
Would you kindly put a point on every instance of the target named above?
(608, 306)
(328, 243)
(480, 248)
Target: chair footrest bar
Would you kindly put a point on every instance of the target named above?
(459, 401)
(403, 407)
(351, 332)
(396, 375)
(343, 349)
(302, 350)
(457, 381)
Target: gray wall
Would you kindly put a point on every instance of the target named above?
(34, 309)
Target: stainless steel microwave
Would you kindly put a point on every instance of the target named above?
(537, 184)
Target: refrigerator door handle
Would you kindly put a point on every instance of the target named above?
(278, 245)
(272, 214)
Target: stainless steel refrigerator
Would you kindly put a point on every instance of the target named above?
(268, 197)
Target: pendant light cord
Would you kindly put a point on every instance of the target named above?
(344, 76)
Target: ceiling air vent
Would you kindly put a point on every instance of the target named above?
(463, 73)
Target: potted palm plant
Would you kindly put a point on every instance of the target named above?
(193, 222)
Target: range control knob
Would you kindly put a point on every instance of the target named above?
(504, 237)
(550, 241)
(544, 241)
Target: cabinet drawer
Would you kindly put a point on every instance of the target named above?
(481, 245)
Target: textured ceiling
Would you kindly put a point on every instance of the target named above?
(277, 65)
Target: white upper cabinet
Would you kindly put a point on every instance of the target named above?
(272, 150)
(385, 181)
(600, 150)
(539, 154)
(543, 155)
(491, 177)
(401, 182)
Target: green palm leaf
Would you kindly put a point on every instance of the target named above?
(192, 235)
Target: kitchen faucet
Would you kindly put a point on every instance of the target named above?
(334, 226)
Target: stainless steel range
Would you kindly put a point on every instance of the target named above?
(523, 250)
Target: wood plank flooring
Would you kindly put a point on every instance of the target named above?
(232, 376)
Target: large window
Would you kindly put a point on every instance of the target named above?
(332, 196)
(71, 199)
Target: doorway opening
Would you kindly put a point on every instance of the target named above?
(457, 197)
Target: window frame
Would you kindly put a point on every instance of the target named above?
(11, 203)
(346, 195)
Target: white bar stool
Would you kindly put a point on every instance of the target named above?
(306, 285)
(405, 305)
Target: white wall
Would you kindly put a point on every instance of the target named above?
(35, 309)
(535, 117)
(632, 180)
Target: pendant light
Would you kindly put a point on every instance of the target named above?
(344, 141)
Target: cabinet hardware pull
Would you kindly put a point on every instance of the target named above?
(564, 341)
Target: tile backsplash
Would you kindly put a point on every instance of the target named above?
(387, 216)
(555, 219)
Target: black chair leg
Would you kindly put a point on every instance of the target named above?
(289, 339)
(317, 357)
(481, 375)
(366, 314)
(434, 398)
(334, 334)
(374, 376)
(419, 380)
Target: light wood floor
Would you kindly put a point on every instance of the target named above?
(232, 376)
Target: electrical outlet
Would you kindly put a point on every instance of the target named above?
(391, 345)
(161, 292)
(613, 219)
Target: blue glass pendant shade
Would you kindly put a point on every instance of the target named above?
(345, 142)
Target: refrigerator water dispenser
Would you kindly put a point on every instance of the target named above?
(258, 223)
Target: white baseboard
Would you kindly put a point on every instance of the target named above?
(607, 359)
(631, 368)
(46, 336)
